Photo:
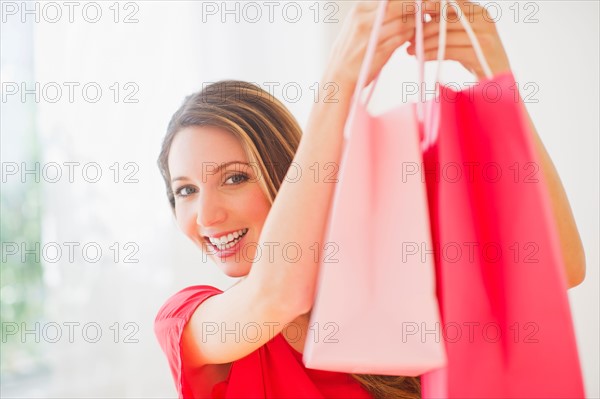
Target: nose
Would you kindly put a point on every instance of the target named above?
(210, 209)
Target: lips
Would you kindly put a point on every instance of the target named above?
(227, 239)
(228, 251)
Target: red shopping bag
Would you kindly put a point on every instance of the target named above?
(500, 276)
(371, 303)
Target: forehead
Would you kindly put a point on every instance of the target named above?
(196, 147)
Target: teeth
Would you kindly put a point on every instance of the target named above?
(229, 240)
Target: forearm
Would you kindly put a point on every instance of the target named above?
(299, 213)
(570, 242)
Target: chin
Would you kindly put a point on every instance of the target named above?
(236, 275)
(234, 271)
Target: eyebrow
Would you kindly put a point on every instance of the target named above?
(223, 165)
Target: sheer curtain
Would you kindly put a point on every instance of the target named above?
(129, 71)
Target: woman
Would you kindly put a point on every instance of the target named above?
(226, 163)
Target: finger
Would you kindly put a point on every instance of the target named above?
(464, 55)
(397, 27)
(453, 39)
(432, 29)
(366, 6)
(434, 7)
(478, 17)
(365, 15)
(401, 9)
(386, 49)
(435, 34)
(396, 19)
(394, 9)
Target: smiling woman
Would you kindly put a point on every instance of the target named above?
(225, 157)
(219, 146)
(225, 161)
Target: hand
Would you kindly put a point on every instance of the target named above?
(350, 46)
(458, 45)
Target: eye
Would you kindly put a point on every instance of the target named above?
(183, 191)
(238, 178)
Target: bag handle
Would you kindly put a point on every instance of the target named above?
(468, 29)
(431, 125)
(368, 59)
(426, 118)
(362, 75)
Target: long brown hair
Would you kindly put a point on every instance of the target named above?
(270, 136)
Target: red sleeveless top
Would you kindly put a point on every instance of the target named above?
(274, 370)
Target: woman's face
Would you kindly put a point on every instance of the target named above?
(217, 195)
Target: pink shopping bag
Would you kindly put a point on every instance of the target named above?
(371, 303)
(500, 276)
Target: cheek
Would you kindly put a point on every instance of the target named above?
(186, 222)
(259, 205)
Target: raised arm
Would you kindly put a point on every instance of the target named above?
(278, 289)
(570, 241)
(299, 212)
